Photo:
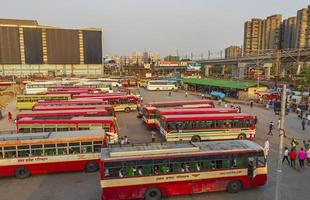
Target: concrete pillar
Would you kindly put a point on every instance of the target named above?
(81, 46)
(299, 65)
(22, 45)
(44, 46)
(223, 70)
(207, 70)
(234, 71)
(241, 68)
(267, 69)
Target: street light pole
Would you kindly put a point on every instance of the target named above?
(281, 135)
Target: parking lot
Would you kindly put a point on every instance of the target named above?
(76, 186)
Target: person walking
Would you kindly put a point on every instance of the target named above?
(202, 96)
(251, 104)
(302, 155)
(126, 140)
(226, 105)
(153, 135)
(293, 157)
(294, 144)
(306, 144)
(285, 156)
(9, 116)
(255, 120)
(266, 148)
(185, 94)
(303, 124)
(169, 94)
(271, 126)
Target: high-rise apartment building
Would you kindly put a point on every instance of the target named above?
(252, 36)
(301, 28)
(271, 32)
(289, 33)
(232, 52)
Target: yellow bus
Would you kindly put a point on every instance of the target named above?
(26, 102)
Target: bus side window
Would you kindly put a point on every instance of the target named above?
(23, 151)
(37, 150)
(10, 152)
(62, 148)
(97, 146)
(87, 147)
(74, 147)
(50, 149)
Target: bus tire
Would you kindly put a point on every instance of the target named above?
(127, 110)
(196, 138)
(152, 194)
(241, 136)
(234, 186)
(91, 167)
(22, 172)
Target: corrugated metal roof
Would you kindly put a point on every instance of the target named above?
(19, 22)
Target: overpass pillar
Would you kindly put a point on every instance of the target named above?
(207, 70)
(241, 68)
(234, 71)
(223, 70)
(267, 70)
(299, 65)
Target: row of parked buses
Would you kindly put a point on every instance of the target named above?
(80, 132)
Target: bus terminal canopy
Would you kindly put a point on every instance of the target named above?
(220, 83)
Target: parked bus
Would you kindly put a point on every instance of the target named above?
(150, 119)
(81, 96)
(75, 102)
(155, 171)
(158, 85)
(125, 103)
(97, 85)
(63, 114)
(151, 115)
(108, 108)
(30, 125)
(39, 87)
(25, 102)
(197, 127)
(22, 155)
(175, 104)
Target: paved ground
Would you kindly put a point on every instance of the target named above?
(81, 186)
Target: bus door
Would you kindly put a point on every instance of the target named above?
(251, 167)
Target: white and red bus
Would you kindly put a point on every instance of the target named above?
(22, 155)
(153, 172)
(175, 104)
(108, 124)
(150, 119)
(197, 127)
(108, 108)
(83, 96)
(62, 114)
(125, 103)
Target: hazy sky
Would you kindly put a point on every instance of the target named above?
(156, 25)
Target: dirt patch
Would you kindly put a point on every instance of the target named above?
(7, 94)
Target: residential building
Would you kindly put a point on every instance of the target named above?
(289, 33)
(232, 52)
(252, 36)
(271, 32)
(301, 28)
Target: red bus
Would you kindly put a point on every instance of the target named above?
(63, 114)
(108, 124)
(184, 104)
(62, 87)
(150, 119)
(108, 108)
(73, 92)
(197, 127)
(22, 155)
(75, 102)
(156, 171)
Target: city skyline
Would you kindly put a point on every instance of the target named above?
(136, 25)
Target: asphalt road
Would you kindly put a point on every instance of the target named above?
(82, 186)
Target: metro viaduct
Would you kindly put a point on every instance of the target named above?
(281, 59)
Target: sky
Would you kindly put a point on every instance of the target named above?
(163, 26)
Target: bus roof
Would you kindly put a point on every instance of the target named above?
(171, 149)
(73, 120)
(171, 103)
(61, 136)
(99, 95)
(28, 113)
(42, 95)
(192, 117)
(177, 111)
(72, 107)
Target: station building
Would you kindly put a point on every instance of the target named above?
(28, 48)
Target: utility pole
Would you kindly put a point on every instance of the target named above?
(281, 136)
(278, 63)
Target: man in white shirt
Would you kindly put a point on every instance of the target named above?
(285, 156)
